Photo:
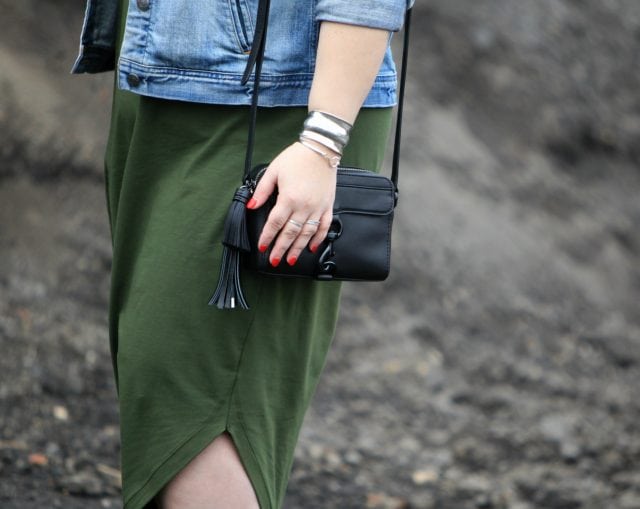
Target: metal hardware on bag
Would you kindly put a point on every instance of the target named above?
(252, 182)
(326, 266)
(335, 230)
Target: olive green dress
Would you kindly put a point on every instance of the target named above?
(187, 371)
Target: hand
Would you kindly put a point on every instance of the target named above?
(306, 192)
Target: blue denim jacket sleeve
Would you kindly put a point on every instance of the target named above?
(384, 14)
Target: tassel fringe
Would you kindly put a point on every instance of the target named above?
(228, 293)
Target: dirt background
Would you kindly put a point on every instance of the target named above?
(498, 367)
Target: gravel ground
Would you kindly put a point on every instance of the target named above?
(496, 368)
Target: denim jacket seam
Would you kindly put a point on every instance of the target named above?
(147, 38)
(303, 77)
(313, 40)
(156, 71)
(381, 96)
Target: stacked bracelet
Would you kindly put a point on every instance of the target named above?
(333, 161)
(330, 143)
(327, 129)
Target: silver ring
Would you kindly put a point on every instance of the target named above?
(295, 223)
(313, 222)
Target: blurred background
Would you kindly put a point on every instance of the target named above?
(499, 365)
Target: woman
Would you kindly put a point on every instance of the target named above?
(212, 401)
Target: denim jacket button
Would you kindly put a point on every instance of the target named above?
(143, 5)
(133, 80)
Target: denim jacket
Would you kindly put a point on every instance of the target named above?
(196, 50)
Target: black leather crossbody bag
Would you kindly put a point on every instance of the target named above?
(358, 245)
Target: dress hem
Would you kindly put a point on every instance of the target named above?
(188, 450)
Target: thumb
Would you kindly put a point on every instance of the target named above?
(263, 190)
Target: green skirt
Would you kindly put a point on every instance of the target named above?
(187, 371)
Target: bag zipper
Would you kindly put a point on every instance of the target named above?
(251, 183)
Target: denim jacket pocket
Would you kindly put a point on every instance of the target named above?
(243, 23)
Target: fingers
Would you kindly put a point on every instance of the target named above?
(263, 190)
(321, 232)
(290, 228)
(291, 234)
(308, 230)
(278, 225)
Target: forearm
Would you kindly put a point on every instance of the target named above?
(348, 60)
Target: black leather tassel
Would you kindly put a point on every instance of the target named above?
(229, 294)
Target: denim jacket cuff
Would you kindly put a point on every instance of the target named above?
(386, 15)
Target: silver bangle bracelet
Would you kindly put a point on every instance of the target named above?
(333, 161)
(330, 143)
(332, 118)
(329, 126)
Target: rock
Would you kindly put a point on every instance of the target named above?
(570, 450)
(621, 350)
(112, 474)
(560, 429)
(60, 413)
(424, 476)
(353, 457)
(38, 459)
(629, 500)
(475, 485)
(383, 501)
(483, 501)
(83, 483)
(626, 480)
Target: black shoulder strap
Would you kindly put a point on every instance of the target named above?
(256, 57)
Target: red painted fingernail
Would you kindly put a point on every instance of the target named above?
(252, 203)
(292, 260)
(262, 248)
(313, 249)
(275, 262)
